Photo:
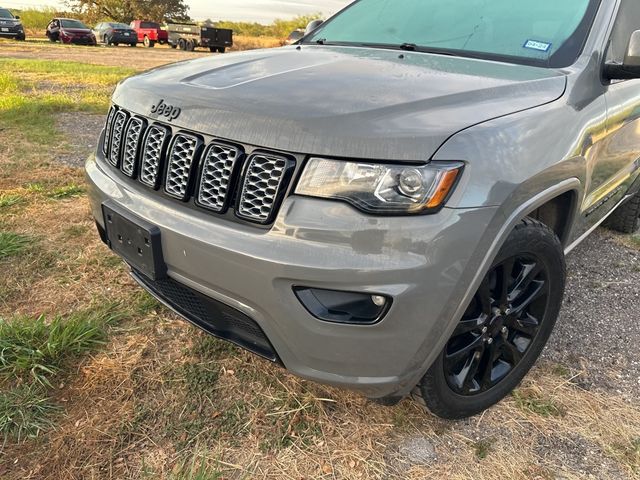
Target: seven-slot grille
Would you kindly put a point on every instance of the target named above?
(139, 149)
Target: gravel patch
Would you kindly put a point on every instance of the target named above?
(579, 456)
(82, 131)
(598, 331)
(418, 451)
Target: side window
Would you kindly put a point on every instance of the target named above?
(627, 22)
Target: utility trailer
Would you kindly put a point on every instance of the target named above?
(189, 36)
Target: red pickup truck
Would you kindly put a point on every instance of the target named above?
(149, 33)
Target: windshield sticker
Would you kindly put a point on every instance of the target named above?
(536, 45)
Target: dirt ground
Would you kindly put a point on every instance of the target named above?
(121, 56)
(576, 416)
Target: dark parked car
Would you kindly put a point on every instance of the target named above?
(10, 25)
(67, 30)
(112, 33)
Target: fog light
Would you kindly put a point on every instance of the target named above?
(378, 300)
(343, 307)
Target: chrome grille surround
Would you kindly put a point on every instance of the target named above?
(151, 157)
(117, 134)
(262, 183)
(107, 131)
(134, 134)
(181, 159)
(217, 172)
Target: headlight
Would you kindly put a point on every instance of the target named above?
(381, 188)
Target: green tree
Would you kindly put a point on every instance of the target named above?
(128, 10)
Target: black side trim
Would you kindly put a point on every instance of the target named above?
(210, 315)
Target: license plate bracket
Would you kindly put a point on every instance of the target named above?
(135, 240)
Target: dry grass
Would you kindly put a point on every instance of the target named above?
(241, 42)
(163, 401)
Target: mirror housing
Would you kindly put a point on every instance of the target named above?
(630, 67)
(17, 17)
(313, 25)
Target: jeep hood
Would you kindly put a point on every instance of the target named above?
(339, 101)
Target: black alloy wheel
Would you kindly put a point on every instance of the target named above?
(504, 328)
(499, 326)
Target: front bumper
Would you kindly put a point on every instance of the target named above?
(11, 31)
(79, 40)
(426, 264)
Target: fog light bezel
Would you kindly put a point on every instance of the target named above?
(315, 306)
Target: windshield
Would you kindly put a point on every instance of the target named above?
(72, 24)
(544, 32)
(119, 25)
(4, 13)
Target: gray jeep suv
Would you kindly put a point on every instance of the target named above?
(386, 205)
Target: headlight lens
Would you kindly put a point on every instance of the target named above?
(381, 188)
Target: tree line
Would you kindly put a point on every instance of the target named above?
(95, 11)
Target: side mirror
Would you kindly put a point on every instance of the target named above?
(312, 26)
(630, 67)
(17, 17)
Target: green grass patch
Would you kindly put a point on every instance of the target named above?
(635, 240)
(25, 412)
(39, 348)
(75, 231)
(71, 73)
(483, 447)
(560, 371)
(628, 453)
(143, 304)
(7, 200)
(196, 469)
(12, 244)
(530, 401)
(67, 191)
(29, 105)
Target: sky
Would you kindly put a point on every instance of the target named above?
(263, 11)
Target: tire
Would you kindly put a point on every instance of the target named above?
(516, 334)
(133, 45)
(148, 43)
(51, 38)
(173, 45)
(116, 44)
(190, 46)
(626, 218)
(107, 40)
(21, 38)
(213, 49)
(221, 50)
(182, 44)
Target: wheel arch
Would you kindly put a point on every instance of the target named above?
(543, 203)
(557, 213)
